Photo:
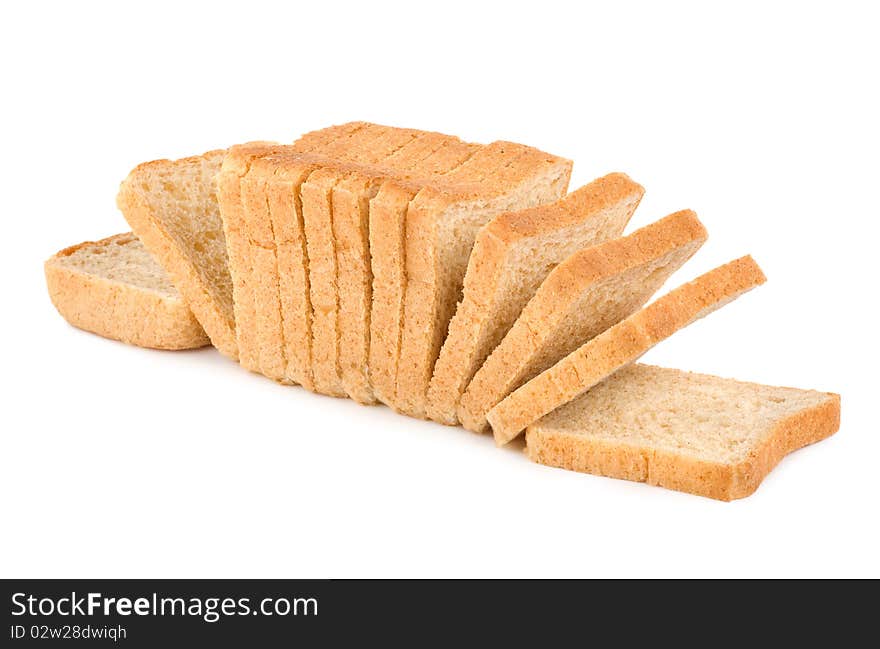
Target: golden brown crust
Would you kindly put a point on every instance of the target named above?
(680, 472)
(621, 344)
(118, 310)
(594, 197)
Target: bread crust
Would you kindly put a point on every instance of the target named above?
(676, 471)
(620, 345)
(118, 310)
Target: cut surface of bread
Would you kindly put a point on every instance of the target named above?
(583, 296)
(512, 255)
(620, 345)
(695, 433)
(171, 205)
(114, 288)
(441, 228)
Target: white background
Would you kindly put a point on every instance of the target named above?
(118, 461)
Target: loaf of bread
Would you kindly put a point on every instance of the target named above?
(691, 432)
(448, 280)
(512, 255)
(586, 294)
(115, 289)
(620, 345)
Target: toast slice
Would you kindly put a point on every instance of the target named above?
(114, 288)
(695, 433)
(171, 205)
(620, 345)
(512, 255)
(441, 228)
(590, 291)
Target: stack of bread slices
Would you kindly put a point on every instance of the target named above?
(451, 281)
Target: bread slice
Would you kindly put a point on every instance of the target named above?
(441, 228)
(172, 207)
(695, 433)
(590, 291)
(620, 345)
(512, 255)
(115, 289)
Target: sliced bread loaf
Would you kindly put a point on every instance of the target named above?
(114, 288)
(512, 255)
(696, 433)
(620, 345)
(590, 291)
(441, 228)
(172, 207)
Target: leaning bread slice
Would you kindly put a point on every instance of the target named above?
(513, 254)
(690, 432)
(441, 228)
(590, 291)
(172, 207)
(114, 288)
(620, 345)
